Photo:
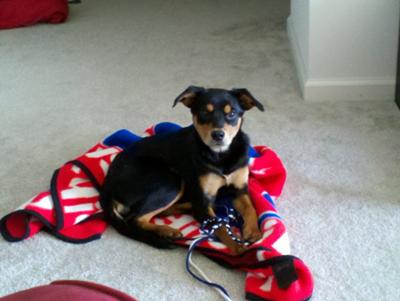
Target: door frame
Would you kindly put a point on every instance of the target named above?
(397, 95)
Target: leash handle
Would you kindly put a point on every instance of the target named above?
(203, 279)
(207, 229)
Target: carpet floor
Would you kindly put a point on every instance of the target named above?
(120, 64)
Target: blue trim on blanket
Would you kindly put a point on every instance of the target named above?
(166, 127)
(121, 138)
(253, 153)
(267, 215)
(268, 198)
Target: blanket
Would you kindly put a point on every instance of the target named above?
(70, 211)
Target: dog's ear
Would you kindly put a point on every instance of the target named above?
(246, 100)
(188, 96)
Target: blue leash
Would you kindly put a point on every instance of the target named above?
(207, 230)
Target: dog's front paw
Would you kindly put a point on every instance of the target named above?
(251, 233)
(238, 249)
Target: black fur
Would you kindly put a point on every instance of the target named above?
(148, 175)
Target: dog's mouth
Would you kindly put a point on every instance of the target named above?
(218, 146)
(218, 142)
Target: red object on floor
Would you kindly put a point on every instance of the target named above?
(69, 290)
(17, 13)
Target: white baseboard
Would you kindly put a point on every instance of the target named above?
(349, 89)
(337, 89)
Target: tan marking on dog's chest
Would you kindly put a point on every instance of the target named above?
(212, 182)
(238, 178)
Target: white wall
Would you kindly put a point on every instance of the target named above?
(299, 14)
(349, 51)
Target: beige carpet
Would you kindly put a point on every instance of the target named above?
(118, 64)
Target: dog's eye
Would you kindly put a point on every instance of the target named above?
(231, 114)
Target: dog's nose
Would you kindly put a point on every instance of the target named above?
(218, 135)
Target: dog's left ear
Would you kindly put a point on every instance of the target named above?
(246, 100)
(188, 96)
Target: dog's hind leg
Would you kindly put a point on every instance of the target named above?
(161, 230)
(178, 208)
(134, 195)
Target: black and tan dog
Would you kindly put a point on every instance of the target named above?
(185, 170)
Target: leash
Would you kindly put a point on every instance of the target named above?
(207, 229)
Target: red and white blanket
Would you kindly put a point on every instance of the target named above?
(70, 210)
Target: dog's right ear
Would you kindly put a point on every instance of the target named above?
(188, 96)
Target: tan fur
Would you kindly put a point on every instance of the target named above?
(119, 209)
(230, 130)
(246, 102)
(148, 216)
(211, 211)
(187, 99)
(204, 130)
(243, 204)
(227, 109)
(238, 178)
(210, 108)
(161, 230)
(225, 238)
(177, 208)
(210, 183)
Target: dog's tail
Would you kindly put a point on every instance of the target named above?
(131, 229)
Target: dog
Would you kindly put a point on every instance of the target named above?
(184, 171)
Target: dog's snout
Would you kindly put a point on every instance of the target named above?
(218, 135)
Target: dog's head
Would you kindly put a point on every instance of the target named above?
(217, 113)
